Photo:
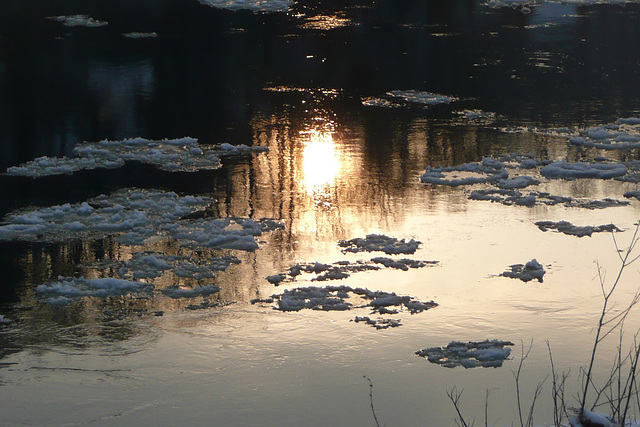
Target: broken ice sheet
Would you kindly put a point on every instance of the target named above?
(379, 323)
(525, 272)
(379, 242)
(172, 155)
(256, 6)
(574, 230)
(135, 216)
(67, 289)
(78, 21)
(488, 354)
(338, 298)
(342, 269)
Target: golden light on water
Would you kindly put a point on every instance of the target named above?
(321, 161)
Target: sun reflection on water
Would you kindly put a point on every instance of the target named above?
(321, 162)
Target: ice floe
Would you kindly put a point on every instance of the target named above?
(67, 289)
(525, 272)
(574, 230)
(150, 265)
(183, 292)
(398, 98)
(476, 117)
(78, 21)
(488, 354)
(342, 269)
(266, 6)
(4, 321)
(379, 242)
(136, 216)
(565, 170)
(336, 298)
(173, 155)
(138, 35)
(379, 323)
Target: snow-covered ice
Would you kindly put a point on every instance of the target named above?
(336, 298)
(379, 323)
(67, 289)
(139, 35)
(78, 21)
(565, 170)
(488, 353)
(342, 269)
(525, 272)
(379, 242)
(266, 6)
(575, 230)
(172, 155)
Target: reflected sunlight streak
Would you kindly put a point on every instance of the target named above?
(321, 161)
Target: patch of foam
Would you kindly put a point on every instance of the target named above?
(379, 242)
(574, 230)
(265, 6)
(488, 353)
(527, 272)
(78, 21)
(172, 155)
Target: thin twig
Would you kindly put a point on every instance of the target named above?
(373, 411)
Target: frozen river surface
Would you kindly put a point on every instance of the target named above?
(234, 213)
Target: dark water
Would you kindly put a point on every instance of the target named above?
(265, 79)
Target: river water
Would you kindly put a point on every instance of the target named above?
(313, 82)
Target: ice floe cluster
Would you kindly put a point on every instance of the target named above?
(379, 323)
(476, 117)
(342, 269)
(488, 353)
(337, 298)
(136, 216)
(623, 134)
(380, 242)
(525, 272)
(575, 230)
(173, 155)
(397, 98)
(78, 21)
(68, 289)
(265, 6)
(509, 175)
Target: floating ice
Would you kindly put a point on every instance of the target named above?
(137, 35)
(150, 265)
(417, 97)
(67, 289)
(379, 242)
(379, 323)
(476, 117)
(335, 298)
(469, 355)
(181, 292)
(565, 170)
(136, 216)
(266, 6)
(574, 230)
(78, 21)
(530, 199)
(529, 271)
(342, 269)
(522, 181)
(173, 155)
(379, 102)
(4, 321)
(489, 170)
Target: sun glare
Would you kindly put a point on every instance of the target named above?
(321, 162)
